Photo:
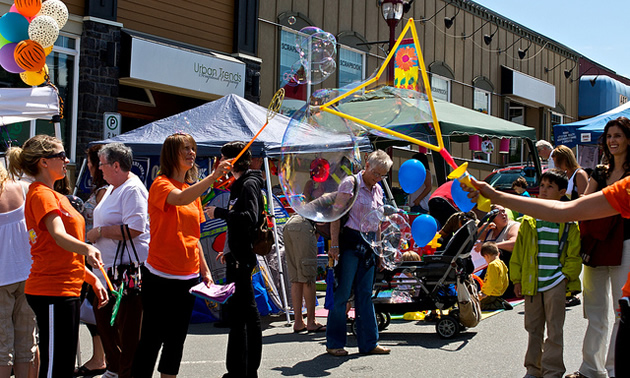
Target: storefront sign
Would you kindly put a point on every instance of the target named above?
(177, 67)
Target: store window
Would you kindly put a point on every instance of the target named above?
(351, 66)
(63, 67)
(481, 101)
(441, 87)
(296, 91)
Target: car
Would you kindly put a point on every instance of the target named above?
(503, 178)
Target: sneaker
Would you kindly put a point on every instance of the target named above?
(577, 374)
(573, 301)
(109, 374)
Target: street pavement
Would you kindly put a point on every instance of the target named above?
(495, 348)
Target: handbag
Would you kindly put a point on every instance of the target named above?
(263, 233)
(602, 241)
(130, 274)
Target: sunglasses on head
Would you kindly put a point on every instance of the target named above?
(61, 155)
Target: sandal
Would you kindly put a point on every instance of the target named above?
(337, 352)
(86, 372)
(320, 328)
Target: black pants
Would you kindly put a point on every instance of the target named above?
(58, 322)
(167, 309)
(244, 350)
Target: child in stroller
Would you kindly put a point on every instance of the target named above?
(430, 284)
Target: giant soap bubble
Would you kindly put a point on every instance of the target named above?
(320, 155)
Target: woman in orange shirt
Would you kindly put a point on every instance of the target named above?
(56, 233)
(175, 259)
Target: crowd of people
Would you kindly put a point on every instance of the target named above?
(56, 254)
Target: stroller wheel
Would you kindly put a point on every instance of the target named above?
(353, 327)
(383, 320)
(447, 327)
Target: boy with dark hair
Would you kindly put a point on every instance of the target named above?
(545, 263)
(495, 281)
(244, 350)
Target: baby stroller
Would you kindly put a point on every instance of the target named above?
(430, 284)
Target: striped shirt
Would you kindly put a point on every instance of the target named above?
(549, 267)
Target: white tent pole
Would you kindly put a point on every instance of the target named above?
(57, 122)
(76, 185)
(272, 214)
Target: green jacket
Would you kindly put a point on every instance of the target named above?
(524, 260)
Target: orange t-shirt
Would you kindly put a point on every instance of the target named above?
(55, 271)
(175, 230)
(618, 196)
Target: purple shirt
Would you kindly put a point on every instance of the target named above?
(367, 200)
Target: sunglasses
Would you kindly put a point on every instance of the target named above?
(61, 155)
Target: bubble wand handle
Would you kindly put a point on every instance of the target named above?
(109, 283)
(272, 110)
(463, 177)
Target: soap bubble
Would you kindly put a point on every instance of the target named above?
(291, 20)
(76, 202)
(386, 230)
(318, 162)
(316, 61)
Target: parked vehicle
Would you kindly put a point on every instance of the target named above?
(503, 178)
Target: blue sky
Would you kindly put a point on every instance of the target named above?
(596, 29)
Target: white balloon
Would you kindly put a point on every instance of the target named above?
(43, 30)
(55, 9)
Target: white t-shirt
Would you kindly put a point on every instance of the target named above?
(424, 203)
(127, 204)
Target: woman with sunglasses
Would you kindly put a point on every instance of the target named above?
(176, 260)
(56, 233)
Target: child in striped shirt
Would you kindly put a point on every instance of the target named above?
(545, 264)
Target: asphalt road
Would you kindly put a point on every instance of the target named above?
(495, 348)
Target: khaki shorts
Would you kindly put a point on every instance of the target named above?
(300, 245)
(17, 326)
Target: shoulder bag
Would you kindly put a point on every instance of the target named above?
(128, 275)
(263, 233)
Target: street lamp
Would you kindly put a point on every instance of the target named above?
(392, 11)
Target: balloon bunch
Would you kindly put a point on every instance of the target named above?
(27, 34)
(317, 50)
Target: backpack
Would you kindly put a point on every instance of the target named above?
(263, 237)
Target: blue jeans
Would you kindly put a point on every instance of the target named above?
(353, 272)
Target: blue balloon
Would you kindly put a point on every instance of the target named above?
(14, 27)
(423, 229)
(460, 196)
(411, 175)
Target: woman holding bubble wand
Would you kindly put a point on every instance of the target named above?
(56, 234)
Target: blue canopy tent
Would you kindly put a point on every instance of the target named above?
(587, 131)
(212, 125)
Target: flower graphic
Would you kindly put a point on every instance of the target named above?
(406, 58)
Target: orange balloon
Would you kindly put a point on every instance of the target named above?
(48, 50)
(30, 55)
(34, 78)
(28, 8)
